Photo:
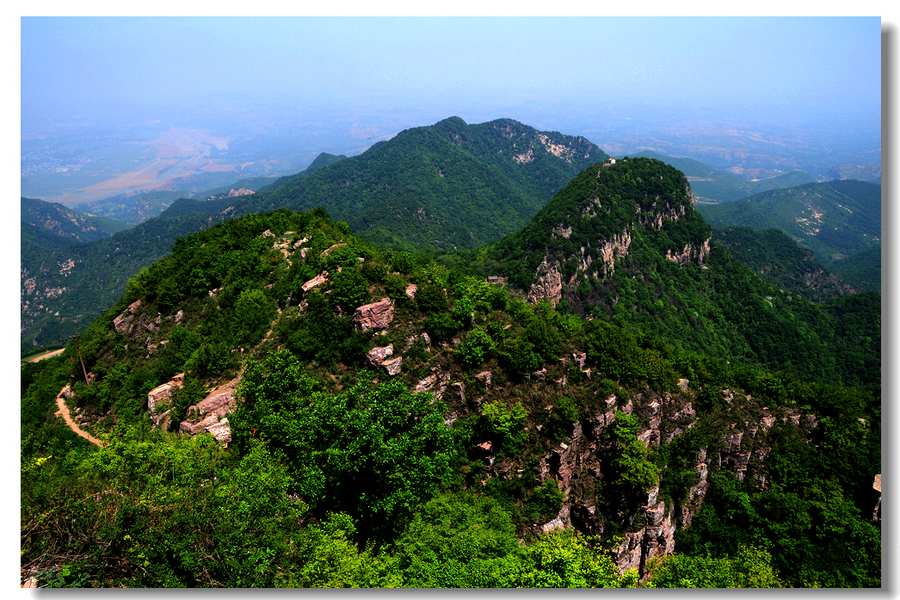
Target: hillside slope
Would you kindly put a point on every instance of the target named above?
(623, 242)
(781, 261)
(284, 404)
(58, 225)
(835, 219)
(444, 186)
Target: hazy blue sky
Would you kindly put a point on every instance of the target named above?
(821, 68)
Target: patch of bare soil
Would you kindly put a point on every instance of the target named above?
(64, 411)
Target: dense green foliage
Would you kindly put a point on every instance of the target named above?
(716, 306)
(338, 474)
(444, 186)
(373, 451)
(835, 219)
(439, 187)
(782, 262)
(750, 568)
(861, 270)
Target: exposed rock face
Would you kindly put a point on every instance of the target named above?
(408, 342)
(122, 323)
(162, 392)
(411, 290)
(392, 365)
(485, 378)
(376, 356)
(547, 284)
(692, 253)
(435, 383)
(234, 193)
(876, 485)
(375, 316)
(328, 250)
(209, 415)
(315, 282)
(611, 249)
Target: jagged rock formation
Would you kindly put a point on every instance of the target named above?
(207, 416)
(232, 193)
(161, 393)
(587, 232)
(649, 523)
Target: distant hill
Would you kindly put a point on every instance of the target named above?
(834, 219)
(870, 172)
(781, 261)
(58, 225)
(135, 209)
(709, 184)
(443, 186)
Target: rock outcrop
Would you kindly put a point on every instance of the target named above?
(435, 383)
(374, 317)
(161, 393)
(207, 416)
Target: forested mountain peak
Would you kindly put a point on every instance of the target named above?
(623, 242)
(439, 187)
(586, 228)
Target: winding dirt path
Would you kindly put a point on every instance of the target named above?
(64, 411)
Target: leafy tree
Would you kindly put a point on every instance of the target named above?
(506, 423)
(750, 568)
(374, 451)
(563, 559)
(457, 540)
(631, 459)
(349, 288)
(253, 312)
(474, 348)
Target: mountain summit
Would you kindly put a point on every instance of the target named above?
(576, 241)
(440, 187)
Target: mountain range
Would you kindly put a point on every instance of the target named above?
(436, 188)
(443, 186)
(282, 403)
(711, 185)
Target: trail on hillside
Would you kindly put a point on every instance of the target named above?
(47, 355)
(64, 410)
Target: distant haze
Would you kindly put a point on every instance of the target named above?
(280, 90)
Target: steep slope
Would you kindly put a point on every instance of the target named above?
(835, 219)
(781, 261)
(134, 209)
(709, 184)
(283, 404)
(623, 241)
